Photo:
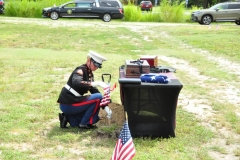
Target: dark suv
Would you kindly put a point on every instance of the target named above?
(222, 12)
(1, 6)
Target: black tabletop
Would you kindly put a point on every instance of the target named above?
(173, 80)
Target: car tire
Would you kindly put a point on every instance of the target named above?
(54, 15)
(106, 17)
(237, 22)
(206, 19)
(200, 23)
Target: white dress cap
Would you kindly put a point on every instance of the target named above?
(96, 57)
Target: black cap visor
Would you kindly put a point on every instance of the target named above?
(98, 65)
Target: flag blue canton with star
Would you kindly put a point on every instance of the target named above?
(125, 134)
(153, 78)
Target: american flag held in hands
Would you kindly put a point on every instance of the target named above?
(106, 97)
(124, 149)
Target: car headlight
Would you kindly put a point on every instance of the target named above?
(198, 12)
(46, 9)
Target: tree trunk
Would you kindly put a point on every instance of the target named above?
(205, 4)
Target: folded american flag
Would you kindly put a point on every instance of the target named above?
(154, 78)
(106, 97)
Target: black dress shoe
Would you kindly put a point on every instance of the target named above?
(63, 120)
(87, 126)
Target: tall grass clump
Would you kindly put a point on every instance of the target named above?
(133, 13)
(172, 13)
(29, 8)
(193, 7)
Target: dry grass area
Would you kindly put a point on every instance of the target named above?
(204, 112)
(201, 108)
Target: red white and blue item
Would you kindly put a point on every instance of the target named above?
(154, 78)
(106, 97)
(124, 149)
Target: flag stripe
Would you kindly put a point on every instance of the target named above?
(127, 151)
(125, 148)
(130, 155)
(117, 149)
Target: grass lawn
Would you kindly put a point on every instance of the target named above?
(37, 56)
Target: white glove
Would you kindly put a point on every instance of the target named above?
(94, 84)
(109, 112)
(99, 83)
(102, 84)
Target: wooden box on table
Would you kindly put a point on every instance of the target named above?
(134, 68)
(152, 60)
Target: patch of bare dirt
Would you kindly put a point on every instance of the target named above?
(117, 116)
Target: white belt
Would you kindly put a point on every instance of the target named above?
(72, 90)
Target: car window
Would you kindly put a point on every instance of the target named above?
(147, 2)
(70, 5)
(234, 6)
(223, 6)
(109, 4)
(219, 6)
(82, 5)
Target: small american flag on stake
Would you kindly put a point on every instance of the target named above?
(124, 149)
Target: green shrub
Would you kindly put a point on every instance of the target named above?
(172, 13)
(29, 8)
(133, 13)
(11, 9)
(193, 7)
